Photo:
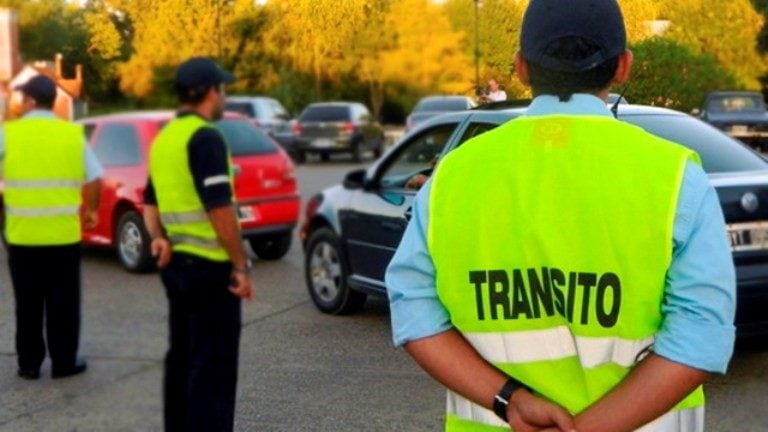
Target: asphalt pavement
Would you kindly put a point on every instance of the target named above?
(300, 370)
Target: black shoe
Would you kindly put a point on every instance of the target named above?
(29, 374)
(79, 367)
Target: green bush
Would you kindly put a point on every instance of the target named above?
(668, 74)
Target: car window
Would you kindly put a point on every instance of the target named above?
(719, 152)
(244, 108)
(278, 111)
(117, 145)
(325, 113)
(441, 104)
(244, 139)
(735, 104)
(418, 156)
(475, 129)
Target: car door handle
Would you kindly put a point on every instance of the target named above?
(408, 213)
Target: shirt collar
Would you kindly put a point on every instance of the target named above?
(579, 104)
(39, 113)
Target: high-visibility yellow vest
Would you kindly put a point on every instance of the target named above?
(551, 237)
(44, 167)
(182, 213)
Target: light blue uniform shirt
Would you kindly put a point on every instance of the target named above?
(93, 168)
(698, 328)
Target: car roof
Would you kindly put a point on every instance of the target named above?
(334, 103)
(502, 113)
(154, 115)
(150, 115)
(734, 93)
(247, 98)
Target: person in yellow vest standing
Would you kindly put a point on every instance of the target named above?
(566, 270)
(48, 169)
(191, 218)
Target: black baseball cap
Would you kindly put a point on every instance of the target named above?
(40, 88)
(199, 74)
(545, 21)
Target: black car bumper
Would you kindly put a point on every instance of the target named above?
(752, 300)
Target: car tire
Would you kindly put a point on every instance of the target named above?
(132, 243)
(300, 156)
(358, 152)
(325, 157)
(379, 149)
(271, 247)
(326, 274)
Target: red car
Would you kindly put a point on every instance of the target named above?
(265, 184)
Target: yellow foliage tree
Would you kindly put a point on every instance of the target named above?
(427, 55)
(725, 29)
(164, 33)
(314, 36)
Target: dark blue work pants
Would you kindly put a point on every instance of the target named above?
(46, 286)
(201, 365)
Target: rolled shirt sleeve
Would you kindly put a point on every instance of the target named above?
(415, 310)
(700, 300)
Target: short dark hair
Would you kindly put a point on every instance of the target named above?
(193, 95)
(565, 84)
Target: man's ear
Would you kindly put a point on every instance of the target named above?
(521, 69)
(624, 69)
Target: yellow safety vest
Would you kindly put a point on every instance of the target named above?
(44, 169)
(551, 237)
(187, 224)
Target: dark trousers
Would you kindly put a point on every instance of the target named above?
(46, 282)
(201, 364)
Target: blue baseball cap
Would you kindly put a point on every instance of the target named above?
(40, 88)
(198, 74)
(545, 21)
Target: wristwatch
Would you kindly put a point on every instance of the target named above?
(501, 400)
(246, 270)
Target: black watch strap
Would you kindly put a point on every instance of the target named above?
(501, 400)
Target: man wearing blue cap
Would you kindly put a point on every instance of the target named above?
(195, 233)
(48, 168)
(598, 294)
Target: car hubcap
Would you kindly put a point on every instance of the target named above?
(325, 272)
(130, 243)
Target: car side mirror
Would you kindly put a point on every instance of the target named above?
(356, 180)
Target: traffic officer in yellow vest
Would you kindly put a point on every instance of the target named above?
(191, 218)
(48, 168)
(566, 270)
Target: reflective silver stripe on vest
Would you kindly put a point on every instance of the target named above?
(214, 180)
(195, 241)
(42, 211)
(464, 408)
(184, 217)
(554, 344)
(687, 420)
(43, 184)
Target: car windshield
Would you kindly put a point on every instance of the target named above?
(244, 139)
(719, 152)
(244, 108)
(735, 104)
(325, 113)
(441, 104)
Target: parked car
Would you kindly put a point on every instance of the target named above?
(740, 114)
(351, 231)
(267, 114)
(325, 128)
(430, 106)
(265, 185)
